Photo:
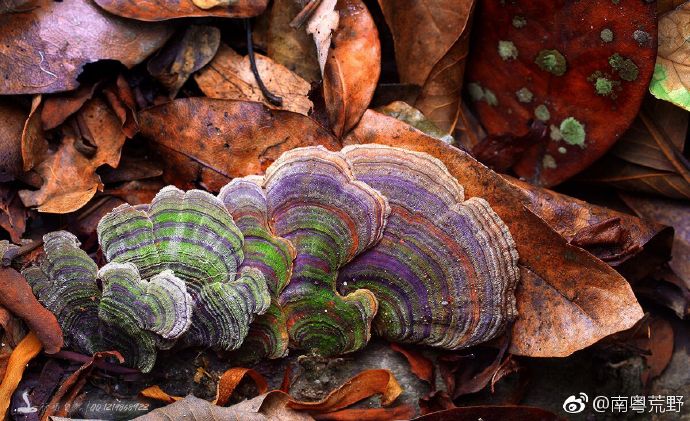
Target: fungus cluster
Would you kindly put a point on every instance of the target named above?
(323, 249)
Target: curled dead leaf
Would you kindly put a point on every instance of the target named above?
(27, 349)
(183, 55)
(432, 55)
(635, 246)
(17, 297)
(353, 66)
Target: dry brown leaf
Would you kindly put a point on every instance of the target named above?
(635, 246)
(13, 214)
(211, 140)
(62, 399)
(673, 213)
(69, 173)
(229, 76)
(45, 49)
(291, 47)
(624, 175)
(57, 108)
(157, 10)
(663, 124)
(567, 299)
(649, 157)
(184, 54)
(353, 66)
(433, 54)
(271, 406)
(421, 366)
(321, 26)
(671, 80)
(27, 349)
(17, 297)
(12, 120)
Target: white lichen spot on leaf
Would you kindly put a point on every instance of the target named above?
(507, 50)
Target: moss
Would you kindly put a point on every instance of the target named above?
(551, 61)
(626, 68)
(542, 113)
(524, 95)
(573, 132)
(490, 97)
(606, 35)
(507, 50)
(549, 162)
(519, 22)
(603, 86)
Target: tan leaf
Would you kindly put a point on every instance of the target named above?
(292, 47)
(671, 80)
(321, 26)
(229, 76)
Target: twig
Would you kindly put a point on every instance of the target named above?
(271, 97)
(304, 14)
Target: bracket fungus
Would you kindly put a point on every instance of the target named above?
(309, 256)
(245, 199)
(193, 235)
(315, 202)
(131, 315)
(445, 271)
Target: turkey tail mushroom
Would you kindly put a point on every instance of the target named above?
(315, 202)
(445, 270)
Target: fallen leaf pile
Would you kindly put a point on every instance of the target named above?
(569, 118)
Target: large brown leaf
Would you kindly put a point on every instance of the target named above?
(431, 40)
(567, 299)
(157, 10)
(352, 67)
(211, 141)
(45, 49)
(589, 63)
(17, 297)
